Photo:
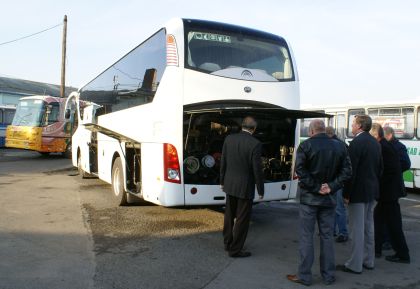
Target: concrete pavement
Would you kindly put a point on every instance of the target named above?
(44, 242)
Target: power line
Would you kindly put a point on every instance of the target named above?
(27, 36)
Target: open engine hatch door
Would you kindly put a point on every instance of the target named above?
(263, 113)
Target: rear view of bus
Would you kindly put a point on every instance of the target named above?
(232, 72)
(39, 125)
(154, 122)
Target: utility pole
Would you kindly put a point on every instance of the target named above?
(63, 58)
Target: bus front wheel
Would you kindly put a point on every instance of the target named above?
(119, 195)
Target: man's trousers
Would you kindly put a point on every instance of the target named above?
(362, 236)
(235, 231)
(389, 214)
(325, 216)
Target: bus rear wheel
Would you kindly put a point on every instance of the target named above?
(119, 194)
(82, 173)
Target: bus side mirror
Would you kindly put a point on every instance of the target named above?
(67, 114)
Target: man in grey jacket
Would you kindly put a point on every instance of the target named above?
(322, 165)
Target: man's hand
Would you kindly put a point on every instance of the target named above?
(325, 189)
(260, 197)
(346, 201)
(221, 187)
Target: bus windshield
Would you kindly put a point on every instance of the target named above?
(29, 113)
(238, 55)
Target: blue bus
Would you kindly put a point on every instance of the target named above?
(6, 117)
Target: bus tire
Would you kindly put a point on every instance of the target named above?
(44, 154)
(67, 152)
(82, 173)
(119, 194)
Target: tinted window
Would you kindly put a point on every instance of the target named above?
(131, 81)
(401, 119)
(352, 114)
(237, 54)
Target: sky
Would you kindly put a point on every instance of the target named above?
(347, 52)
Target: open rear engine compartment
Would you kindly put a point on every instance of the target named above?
(205, 132)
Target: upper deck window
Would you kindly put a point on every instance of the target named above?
(237, 54)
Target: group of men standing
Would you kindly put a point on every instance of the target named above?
(369, 173)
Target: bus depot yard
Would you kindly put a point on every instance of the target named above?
(58, 230)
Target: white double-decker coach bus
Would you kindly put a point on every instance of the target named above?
(153, 124)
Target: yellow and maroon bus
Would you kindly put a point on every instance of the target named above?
(39, 125)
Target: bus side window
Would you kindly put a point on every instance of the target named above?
(8, 116)
(341, 126)
(401, 119)
(304, 125)
(133, 80)
(418, 122)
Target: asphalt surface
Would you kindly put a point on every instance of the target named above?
(58, 230)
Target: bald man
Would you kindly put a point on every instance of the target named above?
(322, 165)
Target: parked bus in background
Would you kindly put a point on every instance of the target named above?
(154, 122)
(6, 117)
(39, 125)
(403, 118)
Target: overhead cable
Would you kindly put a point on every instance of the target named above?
(27, 36)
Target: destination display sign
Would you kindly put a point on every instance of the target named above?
(212, 37)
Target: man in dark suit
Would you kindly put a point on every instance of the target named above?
(387, 210)
(405, 163)
(240, 171)
(360, 193)
(322, 165)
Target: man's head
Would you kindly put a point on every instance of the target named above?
(330, 131)
(249, 124)
(377, 131)
(389, 133)
(361, 123)
(316, 126)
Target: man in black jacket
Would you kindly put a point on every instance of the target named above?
(387, 209)
(322, 166)
(389, 135)
(360, 193)
(240, 171)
